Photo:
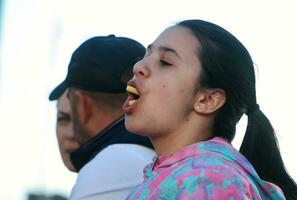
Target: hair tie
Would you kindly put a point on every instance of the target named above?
(252, 109)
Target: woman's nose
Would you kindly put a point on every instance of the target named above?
(141, 69)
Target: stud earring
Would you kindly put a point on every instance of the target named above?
(198, 107)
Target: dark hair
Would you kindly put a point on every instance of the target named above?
(227, 64)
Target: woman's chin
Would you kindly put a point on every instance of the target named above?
(131, 128)
(134, 129)
(128, 124)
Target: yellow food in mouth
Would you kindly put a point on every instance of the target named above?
(131, 102)
(132, 90)
(134, 93)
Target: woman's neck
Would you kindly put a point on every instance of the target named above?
(170, 143)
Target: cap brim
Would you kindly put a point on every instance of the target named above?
(58, 91)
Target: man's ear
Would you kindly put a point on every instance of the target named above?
(84, 106)
(209, 101)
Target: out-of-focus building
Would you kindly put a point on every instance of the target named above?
(35, 196)
(1, 16)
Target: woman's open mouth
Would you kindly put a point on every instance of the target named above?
(131, 102)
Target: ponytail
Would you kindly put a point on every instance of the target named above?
(227, 64)
(260, 147)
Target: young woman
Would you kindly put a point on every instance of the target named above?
(188, 92)
(64, 131)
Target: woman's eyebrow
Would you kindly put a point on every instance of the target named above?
(63, 113)
(167, 49)
(164, 48)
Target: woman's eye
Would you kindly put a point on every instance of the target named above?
(63, 119)
(164, 63)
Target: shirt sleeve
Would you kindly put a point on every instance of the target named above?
(112, 173)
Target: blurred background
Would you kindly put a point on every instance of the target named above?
(37, 38)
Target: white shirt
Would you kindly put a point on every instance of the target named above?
(112, 173)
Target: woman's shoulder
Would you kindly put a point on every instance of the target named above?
(214, 175)
(211, 166)
(211, 178)
(206, 181)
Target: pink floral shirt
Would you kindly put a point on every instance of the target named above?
(209, 170)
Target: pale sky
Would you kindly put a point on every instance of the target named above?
(39, 36)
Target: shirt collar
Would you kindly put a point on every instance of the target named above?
(217, 144)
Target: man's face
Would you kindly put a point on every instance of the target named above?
(91, 113)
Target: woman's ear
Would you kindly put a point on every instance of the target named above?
(209, 101)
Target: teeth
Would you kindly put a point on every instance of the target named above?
(132, 90)
(131, 102)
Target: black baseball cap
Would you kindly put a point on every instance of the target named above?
(101, 64)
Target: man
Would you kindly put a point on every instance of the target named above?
(110, 160)
(64, 131)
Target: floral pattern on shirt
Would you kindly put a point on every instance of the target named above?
(207, 170)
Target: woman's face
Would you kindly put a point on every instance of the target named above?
(64, 130)
(166, 79)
